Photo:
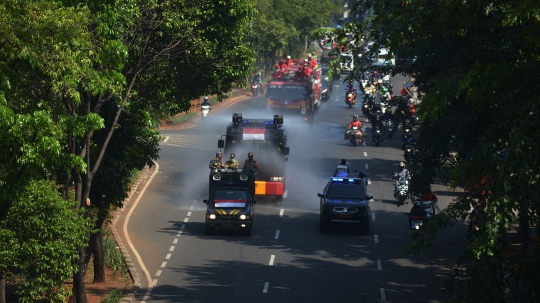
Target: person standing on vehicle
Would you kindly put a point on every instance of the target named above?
(342, 170)
(428, 195)
(216, 162)
(232, 163)
(250, 165)
(312, 61)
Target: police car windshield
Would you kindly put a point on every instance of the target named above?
(282, 92)
(338, 191)
(229, 198)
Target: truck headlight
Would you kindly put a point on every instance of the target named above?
(211, 217)
(276, 178)
(244, 217)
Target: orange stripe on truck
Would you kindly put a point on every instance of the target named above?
(269, 188)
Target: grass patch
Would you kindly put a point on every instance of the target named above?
(181, 118)
(114, 296)
(113, 257)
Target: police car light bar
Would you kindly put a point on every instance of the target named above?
(341, 179)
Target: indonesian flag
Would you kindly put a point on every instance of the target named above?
(230, 203)
(253, 134)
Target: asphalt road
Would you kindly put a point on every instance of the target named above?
(286, 259)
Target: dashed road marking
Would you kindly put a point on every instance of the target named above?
(383, 296)
(189, 214)
(365, 154)
(367, 166)
(158, 273)
(163, 264)
(272, 258)
(368, 181)
(376, 239)
(379, 266)
(265, 289)
(168, 256)
(171, 248)
(154, 283)
(372, 216)
(166, 139)
(277, 234)
(186, 220)
(281, 212)
(175, 241)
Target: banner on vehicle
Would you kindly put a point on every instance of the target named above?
(230, 203)
(253, 134)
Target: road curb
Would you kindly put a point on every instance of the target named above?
(129, 297)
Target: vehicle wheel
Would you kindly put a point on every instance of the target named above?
(378, 143)
(365, 227)
(355, 143)
(350, 105)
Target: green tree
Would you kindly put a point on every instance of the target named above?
(38, 239)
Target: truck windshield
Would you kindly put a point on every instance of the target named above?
(345, 192)
(229, 198)
(282, 92)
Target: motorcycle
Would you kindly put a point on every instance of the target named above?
(416, 224)
(429, 207)
(356, 135)
(377, 137)
(255, 88)
(365, 108)
(205, 110)
(350, 101)
(389, 128)
(408, 152)
(400, 190)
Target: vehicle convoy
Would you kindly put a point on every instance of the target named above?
(345, 201)
(267, 139)
(292, 90)
(230, 201)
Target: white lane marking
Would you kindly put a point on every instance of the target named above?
(376, 239)
(368, 181)
(277, 234)
(367, 167)
(158, 273)
(272, 258)
(265, 289)
(379, 266)
(171, 248)
(192, 207)
(284, 194)
(163, 264)
(175, 241)
(189, 214)
(383, 296)
(186, 220)
(154, 283)
(365, 154)
(128, 239)
(372, 216)
(166, 139)
(168, 256)
(281, 212)
(183, 226)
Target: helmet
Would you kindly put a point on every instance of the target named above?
(205, 98)
(305, 60)
(343, 162)
(289, 57)
(259, 74)
(401, 165)
(388, 110)
(233, 156)
(349, 95)
(478, 204)
(250, 155)
(309, 55)
(355, 117)
(218, 154)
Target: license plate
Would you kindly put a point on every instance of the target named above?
(390, 129)
(227, 224)
(345, 216)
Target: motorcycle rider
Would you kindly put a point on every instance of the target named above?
(350, 98)
(376, 121)
(402, 172)
(232, 163)
(312, 61)
(407, 139)
(416, 211)
(250, 165)
(376, 107)
(428, 195)
(342, 170)
(354, 122)
(388, 115)
(257, 80)
(216, 162)
(369, 88)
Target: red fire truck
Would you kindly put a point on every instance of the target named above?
(287, 91)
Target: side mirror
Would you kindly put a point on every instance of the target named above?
(221, 143)
(370, 197)
(320, 195)
(205, 201)
(237, 118)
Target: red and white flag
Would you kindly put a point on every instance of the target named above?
(253, 134)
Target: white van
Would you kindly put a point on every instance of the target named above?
(346, 63)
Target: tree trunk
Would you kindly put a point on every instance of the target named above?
(2, 288)
(99, 260)
(79, 287)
